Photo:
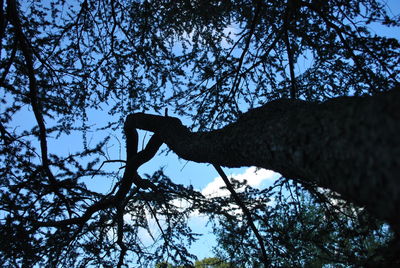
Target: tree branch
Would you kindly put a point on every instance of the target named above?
(120, 234)
(349, 145)
(13, 16)
(246, 213)
(130, 177)
(293, 89)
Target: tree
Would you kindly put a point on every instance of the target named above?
(163, 265)
(308, 231)
(212, 263)
(332, 123)
(204, 263)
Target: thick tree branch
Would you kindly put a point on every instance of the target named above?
(120, 235)
(349, 145)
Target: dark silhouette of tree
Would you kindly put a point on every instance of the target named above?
(308, 231)
(321, 93)
(206, 262)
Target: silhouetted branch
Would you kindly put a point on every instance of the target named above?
(246, 213)
(312, 150)
(293, 89)
(105, 162)
(120, 235)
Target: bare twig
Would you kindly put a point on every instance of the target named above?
(105, 162)
(9, 63)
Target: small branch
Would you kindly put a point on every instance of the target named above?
(130, 177)
(9, 63)
(236, 82)
(293, 89)
(105, 162)
(266, 53)
(157, 222)
(3, 25)
(12, 14)
(9, 138)
(246, 212)
(100, 205)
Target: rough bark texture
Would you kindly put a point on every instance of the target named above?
(350, 145)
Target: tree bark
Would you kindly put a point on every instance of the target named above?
(350, 145)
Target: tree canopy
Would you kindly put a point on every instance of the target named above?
(302, 87)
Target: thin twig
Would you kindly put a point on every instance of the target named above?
(107, 161)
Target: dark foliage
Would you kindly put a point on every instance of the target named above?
(300, 229)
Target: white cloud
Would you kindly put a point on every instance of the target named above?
(252, 175)
(231, 32)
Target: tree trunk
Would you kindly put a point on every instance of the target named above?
(350, 145)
